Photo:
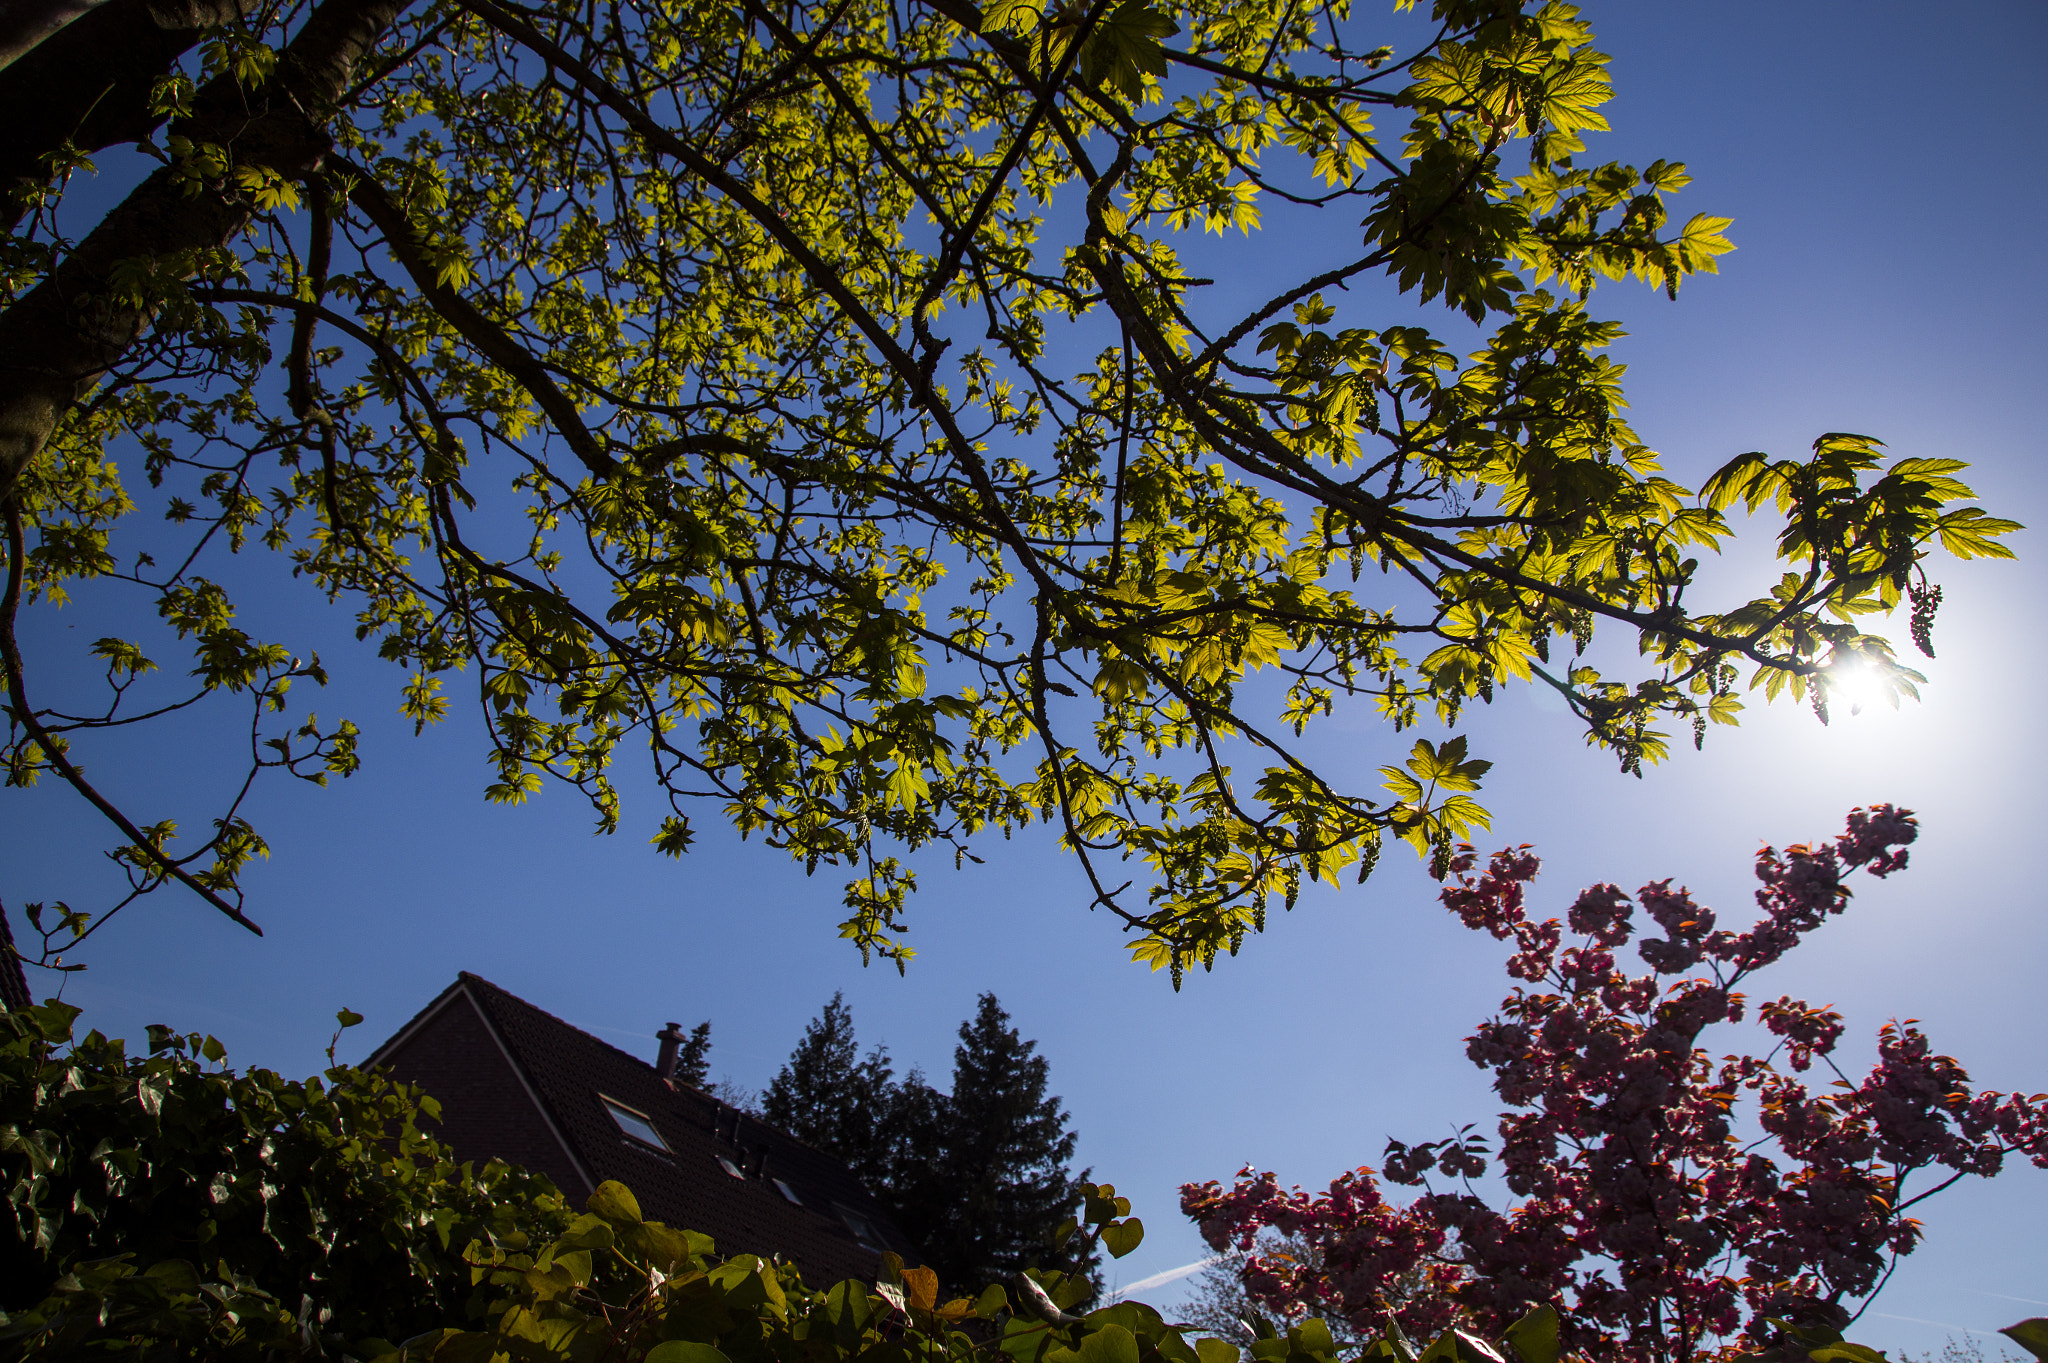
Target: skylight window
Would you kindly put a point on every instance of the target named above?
(863, 1229)
(635, 1124)
(730, 1167)
(787, 1191)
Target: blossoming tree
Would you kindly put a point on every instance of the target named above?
(1670, 1202)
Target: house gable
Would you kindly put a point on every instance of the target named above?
(489, 1108)
(520, 1084)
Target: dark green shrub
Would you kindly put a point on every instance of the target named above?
(308, 1191)
(616, 1289)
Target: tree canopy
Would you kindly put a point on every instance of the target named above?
(821, 401)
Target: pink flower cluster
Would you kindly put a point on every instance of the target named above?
(1663, 1232)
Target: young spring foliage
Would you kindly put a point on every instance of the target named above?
(815, 400)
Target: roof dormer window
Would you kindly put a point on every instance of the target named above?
(637, 1125)
(863, 1229)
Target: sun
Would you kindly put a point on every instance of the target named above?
(1858, 682)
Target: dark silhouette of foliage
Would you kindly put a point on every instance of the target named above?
(978, 1177)
(829, 1095)
(693, 1057)
(1003, 1182)
(322, 1191)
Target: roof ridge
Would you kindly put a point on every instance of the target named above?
(699, 1090)
(530, 1006)
(800, 1209)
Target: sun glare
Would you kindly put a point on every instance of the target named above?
(1857, 684)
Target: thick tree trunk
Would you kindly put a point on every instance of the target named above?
(63, 336)
(88, 83)
(25, 23)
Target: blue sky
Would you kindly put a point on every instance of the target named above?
(1882, 165)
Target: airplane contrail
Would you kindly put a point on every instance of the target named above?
(1161, 1279)
(1938, 1324)
(2030, 1301)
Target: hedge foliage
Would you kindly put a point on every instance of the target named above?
(325, 1195)
(614, 1287)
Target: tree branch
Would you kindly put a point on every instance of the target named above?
(60, 339)
(25, 715)
(494, 341)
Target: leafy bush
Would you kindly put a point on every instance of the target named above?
(325, 1198)
(165, 1207)
(615, 1287)
(107, 1308)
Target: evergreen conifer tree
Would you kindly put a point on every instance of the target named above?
(693, 1060)
(828, 1095)
(1001, 1185)
(917, 1184)
(978, 1178)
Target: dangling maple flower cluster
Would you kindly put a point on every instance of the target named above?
(1660, 1231)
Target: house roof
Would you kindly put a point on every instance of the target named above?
(546, 1094)
(13, 983)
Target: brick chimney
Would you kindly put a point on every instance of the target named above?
(671, 1038)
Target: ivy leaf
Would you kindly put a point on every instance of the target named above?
(614, 1202)
(1534, 1337)
(921, 1288)
(685, 1351)
(1110, 1344)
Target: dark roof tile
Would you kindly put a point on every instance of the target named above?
(13, 983)
(685, 1184)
